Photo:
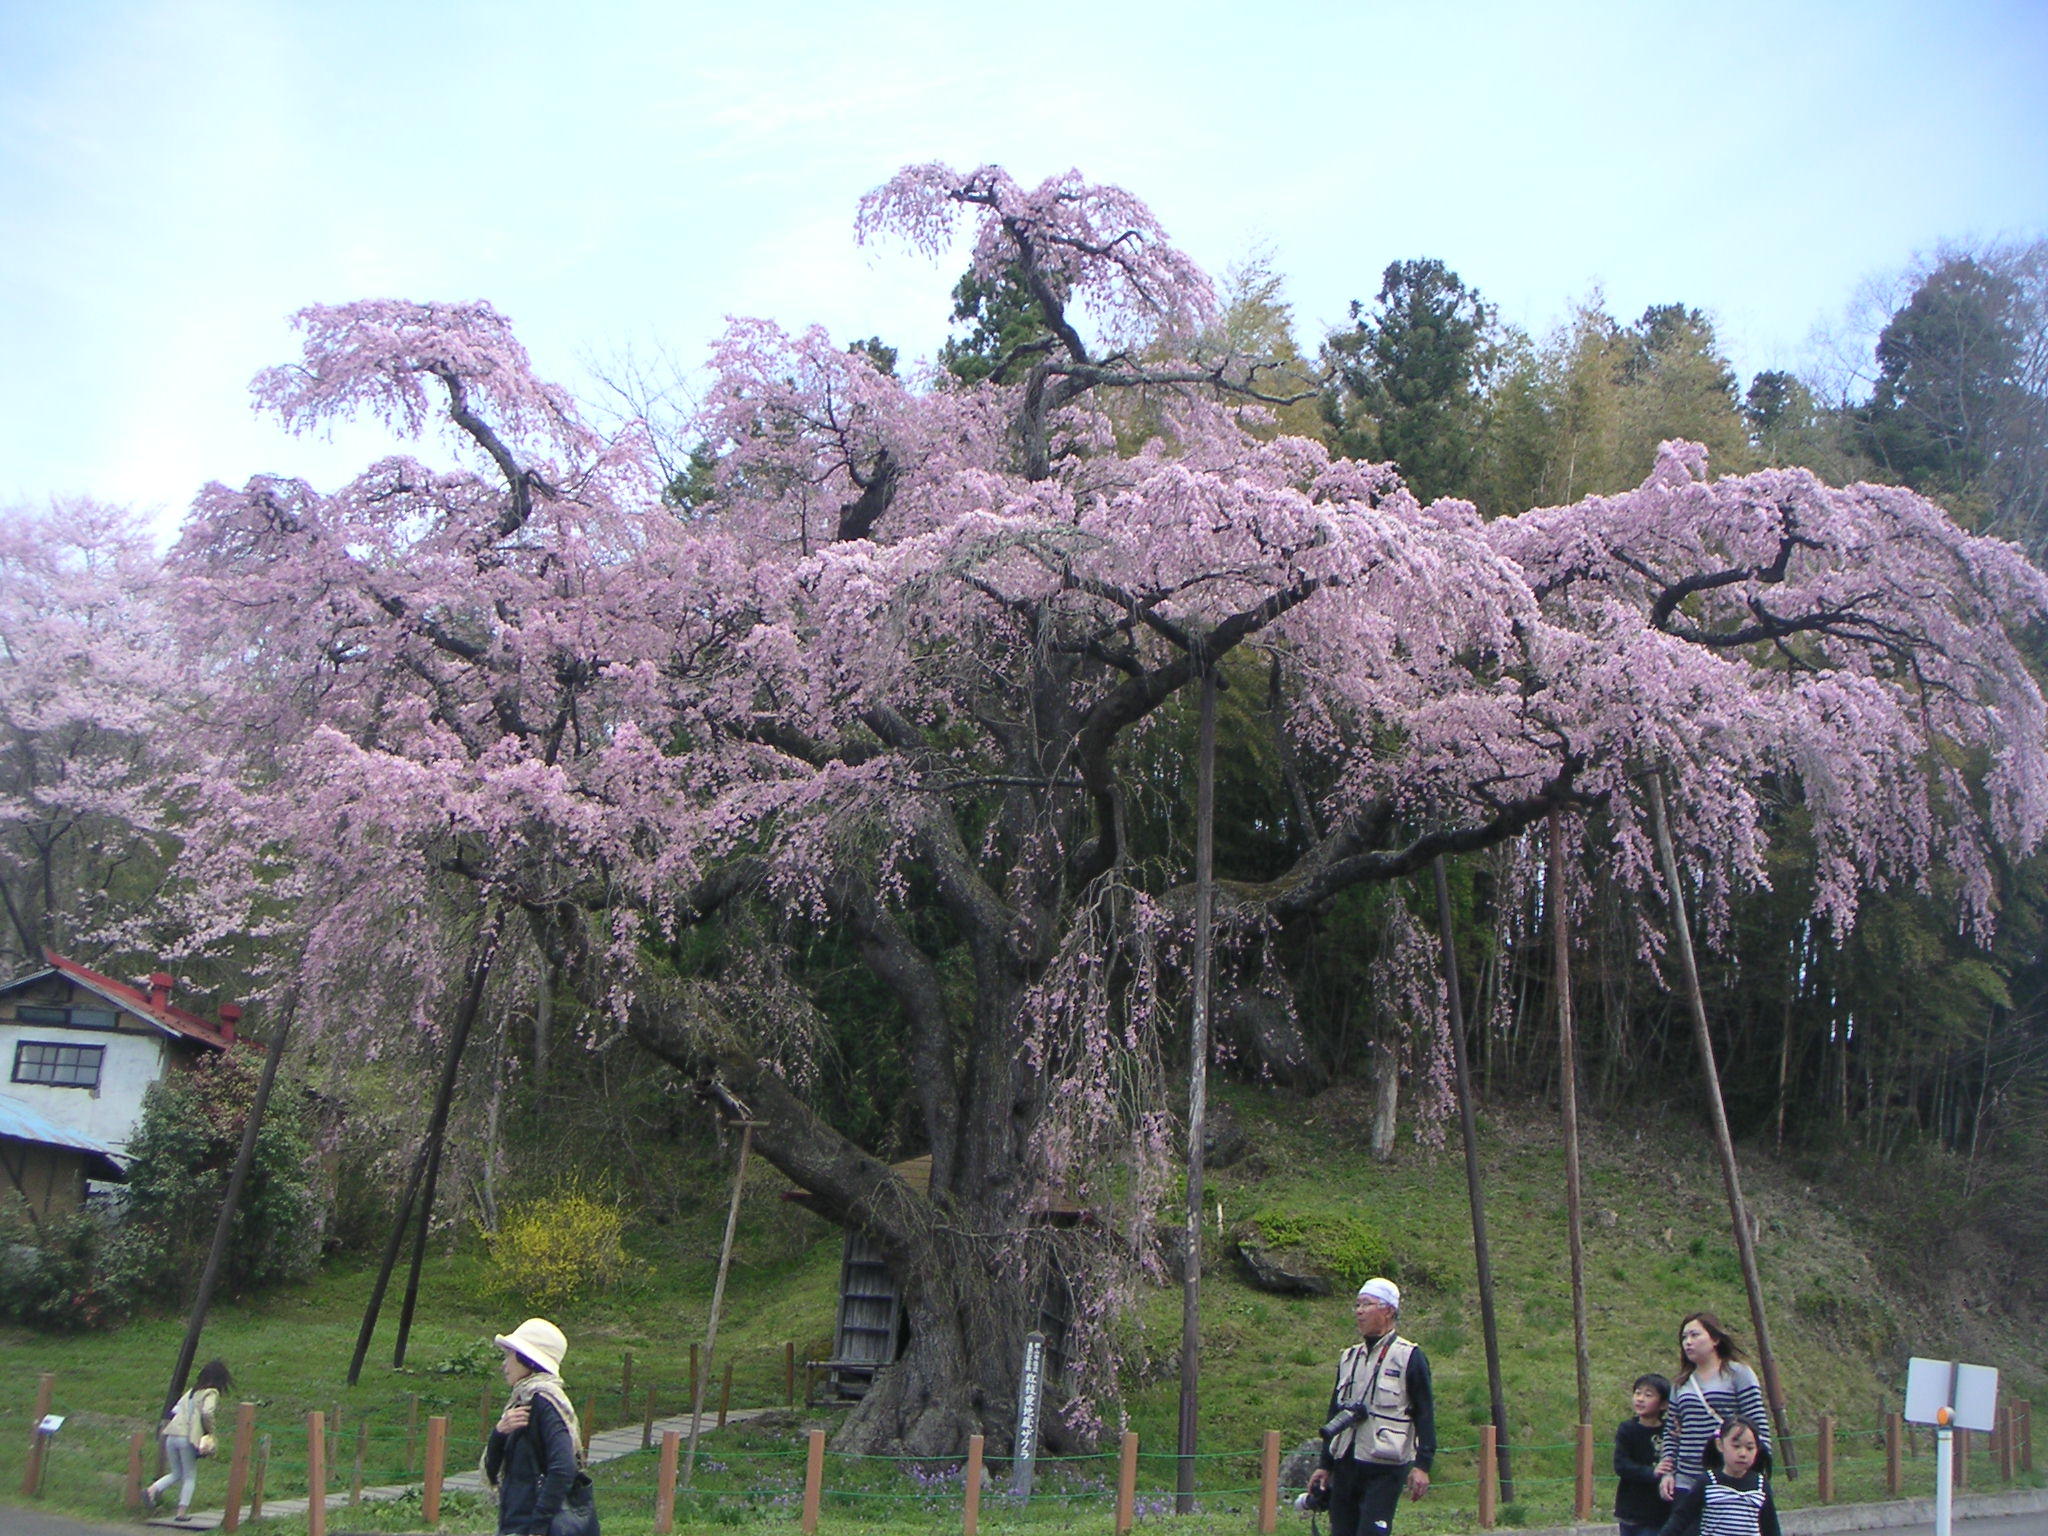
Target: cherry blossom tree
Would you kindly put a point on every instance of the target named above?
(894, 675)
(89, 734)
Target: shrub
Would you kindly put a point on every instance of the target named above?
(561, 1247)
(51, 1275)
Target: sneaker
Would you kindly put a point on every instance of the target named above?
(148, 1499)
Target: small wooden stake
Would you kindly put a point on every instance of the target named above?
(2007, 1423)
(587, 1418)
(437, 1455)
(1826, 1471)
(412, 1430)
(665, 1481)
(626, 1388)
(1127, 1485)
(238, 1465)
(2026, 1415)
(693, 1374)
(1892, 1437)
(647, 1426)
(316, 1473)
(355, 1480)
(1269, 1484)
(814, 1480)
(970, 1506)
(1582, 1483)
(131, 1491)
(789, 1373)
(725, 1395)
(262, 1466)
(1489, 1476)
(46, 1389)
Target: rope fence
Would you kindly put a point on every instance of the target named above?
(318, 1460)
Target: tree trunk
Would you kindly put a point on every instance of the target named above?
(1386, 1099)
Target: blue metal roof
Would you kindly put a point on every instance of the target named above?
(20, 1123)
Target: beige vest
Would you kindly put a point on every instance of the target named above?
(1378, 1377)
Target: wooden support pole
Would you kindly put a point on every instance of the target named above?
(732, 1224)
(1489, 1477)
(1582, 1480)
(1187, 1429)
(970, 1486)
(725, 1395)
(1724, 1141)
(1269, 1483)
(46, 1391)
(1127, 1485)
(814, 1480)
(665, 1479)
(238, 1465)
(131, 1491)
(789, 1373)
(262, 1466)
(1568, 1099)
(1826, 1459)
(1892, 1437)
(647, 1424)
(437, 1456)
(316, 1473)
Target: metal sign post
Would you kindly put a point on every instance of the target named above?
(1950, 1397)
(1030, 1391)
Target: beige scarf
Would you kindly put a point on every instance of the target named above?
(540, 1384)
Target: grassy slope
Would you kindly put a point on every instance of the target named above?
(1655, 1249)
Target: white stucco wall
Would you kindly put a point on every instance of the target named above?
(108, 1114)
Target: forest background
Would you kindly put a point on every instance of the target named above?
(1901, 1042)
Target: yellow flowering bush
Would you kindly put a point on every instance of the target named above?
(560, 1247)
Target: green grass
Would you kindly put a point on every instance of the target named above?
(1654, 1250)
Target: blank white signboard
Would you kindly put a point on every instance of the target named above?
(1927, 1393)
(1927, 1383)
(1976, 1402)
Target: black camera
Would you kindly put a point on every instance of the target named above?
(1347, 1415)
(1315, 1500)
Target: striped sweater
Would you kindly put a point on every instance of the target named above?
(1696, 1410)
(1723, 1506)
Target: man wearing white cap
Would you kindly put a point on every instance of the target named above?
(1381, 1434)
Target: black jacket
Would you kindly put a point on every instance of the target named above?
(534, 1468)
(1636, 1454)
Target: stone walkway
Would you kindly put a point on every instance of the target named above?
(606, 1445)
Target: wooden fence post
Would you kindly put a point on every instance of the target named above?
(32, 1473)
(647, 1425)
(262, 1466)
(1269, 1484)
(725, 1395)
(131, 1491)
(238, 1466)
(1962, 1458)
(2026, 1409)
(1892, 1436)
(1826, 1458)
(970, 1486)
(626, 1389)
(316, 1473)
(814, 1477)
(412, 1430)
(1127, 1485)
(355, 1480)
(1489, 1475)
(437, 1455)
(789, 1373)
(1582, 1480)
(586, 1420)
(665, 1479)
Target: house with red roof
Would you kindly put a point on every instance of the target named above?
(81, 1050)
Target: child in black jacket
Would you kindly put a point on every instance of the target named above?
(1734, 1497)
(1639, 1508)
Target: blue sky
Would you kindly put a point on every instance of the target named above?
(177, 178)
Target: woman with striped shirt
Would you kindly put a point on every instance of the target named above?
(1713, 1385)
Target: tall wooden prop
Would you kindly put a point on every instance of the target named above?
(732, 1222)
(1568, 1091)
(1482, 1257)
(1198, 1093)
(1724, 1143)
(480, 957)
(209, 1277)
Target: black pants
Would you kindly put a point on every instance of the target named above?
(1364, 1496)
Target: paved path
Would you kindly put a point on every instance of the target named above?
(606, 1445)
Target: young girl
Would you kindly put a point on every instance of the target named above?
(189, 1435)
(1713, 1385)
(1734, 1496)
